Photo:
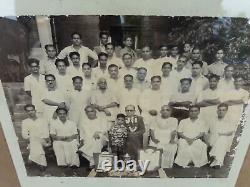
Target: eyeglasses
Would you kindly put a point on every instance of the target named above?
(129, 110)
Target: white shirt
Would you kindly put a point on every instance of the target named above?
(199, 84)
(217, 68)
(84, 52)
(178, 75)
(191, 129)
(47, 66)
(124, 71)
(73, 71)
(226, 85)
(142, 85)
(64, 82)
(100, 73)
(148, 64)
(37, 128)
(182, 97)
(128, 97)
(115, 60)
(59, 128)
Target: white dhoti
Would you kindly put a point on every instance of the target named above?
(66, 153)
(196, 153)
(220, 148)
(37, 153)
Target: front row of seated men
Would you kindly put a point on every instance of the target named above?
(184, 144)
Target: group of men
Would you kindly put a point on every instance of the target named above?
(122, 104)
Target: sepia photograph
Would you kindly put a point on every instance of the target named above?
(126, 96)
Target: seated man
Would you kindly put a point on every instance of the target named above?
(118, 136)
(36, 131)
(180, 101)
(221, 134)
(114, 80)
(93, 134)
(191, 148)
(163, 133)
(136, 129)
(64, 135)
(127, 65)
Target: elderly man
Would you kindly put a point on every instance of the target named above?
(36, 131)
(104, 99)
(191, 148)
(136, 129)
(77, 46)
(163, 135)
(64, 135)
(93, 134)
(34, 84)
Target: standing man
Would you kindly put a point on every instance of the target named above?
(88, 78)
(64, 135)
(128, 43)
(112, 58)
(77, 46)
(103, 36)
(36, 131)
(141, 82)
(34, 84)
(136, 129)
(191, 148)
(48, 64)
(75, 69)
(127, 65)
(102, 69)
(227, 82)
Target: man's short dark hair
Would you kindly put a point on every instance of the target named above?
(156, 77)
(108, 44)
(140, 68)
(223, 105)
(74, 33)
(33, 60)
(214, 76)
(28, 106)
(120, 115)
(126, 37)
(71, 54)
(49, 45)
(165, 64)
(228, 66)
(186, 79)
(128, 75)
(77, 77)
(86, 64)
(102, 54)
(198, 62)
(163, 45)
(49, 75)
(103, 33)
(112, 65)
(195, 48)
(60, 60)
(127, 54)
(61, 108)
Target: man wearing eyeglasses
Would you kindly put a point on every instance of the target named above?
(136, 129)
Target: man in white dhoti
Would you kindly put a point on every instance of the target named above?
(36, 131)
(52, 98)
(102, 69)
(181, 100)
(104, 99)
(127, 65)
(128, 95)
(75, 69)
(93, 134)
(88, 78)
(199, 81)
(221, 134)
(64, 135)
(141, 82)
(34, 84)
(77, 99)
(163, 135)
(63, 78)
(77, 46)
(112, 58)
(227, 82)
(236, 99)
(196, 56)
(209, 99)
(191, 148)
(47, 65)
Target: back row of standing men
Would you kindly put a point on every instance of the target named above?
(115, 81)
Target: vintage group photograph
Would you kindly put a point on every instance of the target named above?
(126, 96)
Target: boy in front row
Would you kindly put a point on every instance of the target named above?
(36, 131)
